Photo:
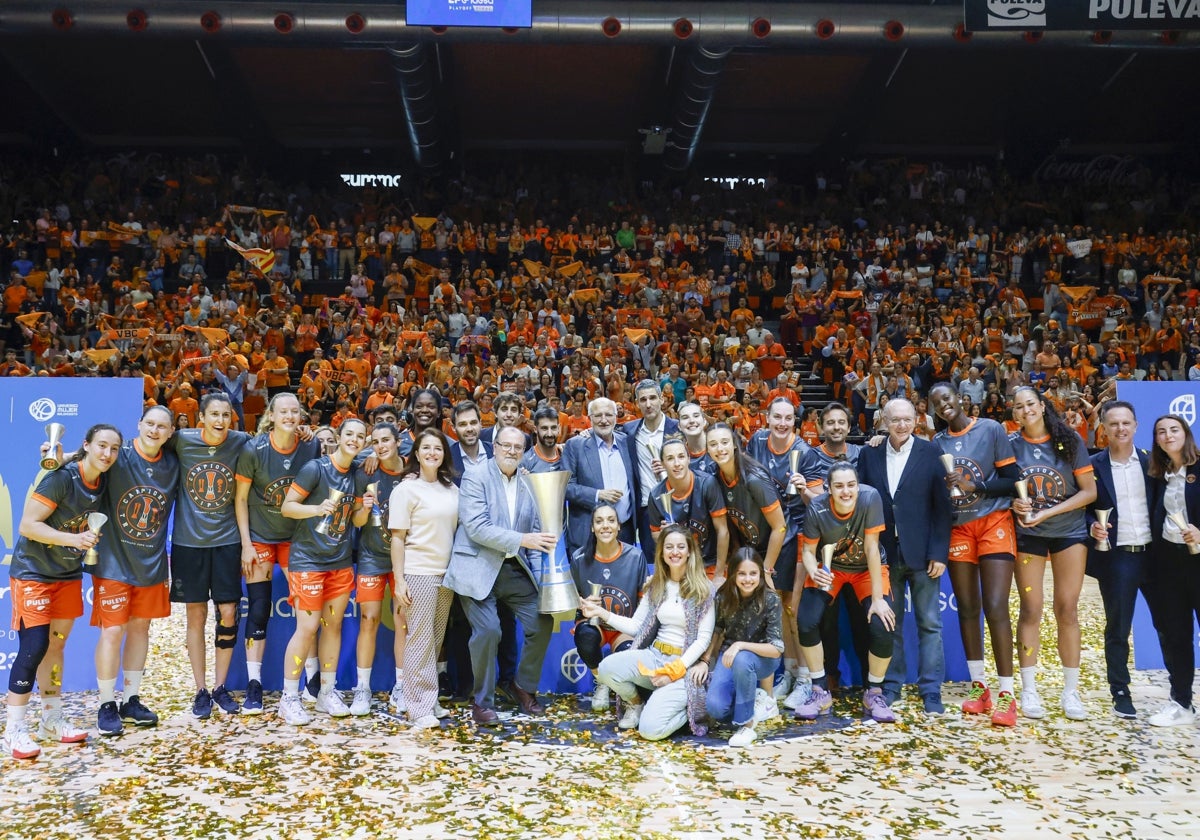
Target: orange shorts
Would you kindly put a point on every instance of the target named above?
(993, 534)
(860, 582)
(36, 604)
(371, 587)
(115, 602)
(313, 590)
(273, 553)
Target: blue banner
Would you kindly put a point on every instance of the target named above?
(514, 13)
(28, 404)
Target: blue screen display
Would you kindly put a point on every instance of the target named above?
(469, 13)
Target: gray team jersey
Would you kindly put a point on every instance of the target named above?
(1051, 479)
(375, 541)
(70, 500)
(535, 463)
(270, 473)
(333, 550)
(204, 516)
(823, 527)
(817, 462)
(779, 465)
(696, 510)
(979, 451)
(620, 577)
(140, 495)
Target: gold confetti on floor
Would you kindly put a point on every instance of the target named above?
(561, 776)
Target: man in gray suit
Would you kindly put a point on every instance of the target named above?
(498, 525)
(601, 474)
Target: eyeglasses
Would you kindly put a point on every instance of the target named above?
(510, 447)
(901, 421)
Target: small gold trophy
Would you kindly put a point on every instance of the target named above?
(656, 455)
(665, 500)
(595, 593)
(322, 528)
(827, 560)
(948, 465)
(1103, 544)
(1182, 524)
(95, 521)
(1022, 488)
(54, 436)
(793, 468)
(376, 513)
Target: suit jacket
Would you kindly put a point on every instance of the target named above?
(631, 430)
(1106, 497)
(920, 512)
(1191, 501)
(457, 458)
(485, 534)
(581, 458)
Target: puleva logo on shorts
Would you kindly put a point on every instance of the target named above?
(1025, 14)
(1184, 406)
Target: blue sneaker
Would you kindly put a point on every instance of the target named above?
(253, 704)
(202, 705)
(224, 699)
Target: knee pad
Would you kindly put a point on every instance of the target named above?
(589, 643)
(881, 639)
(34, 642)
(259, 611)
(225, 637)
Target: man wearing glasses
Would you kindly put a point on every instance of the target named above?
(916, 508)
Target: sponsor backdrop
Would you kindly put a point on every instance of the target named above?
(469, 13)
(1085, 15)
(28, 404)
(1151, 400)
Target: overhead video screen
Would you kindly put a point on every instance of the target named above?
(470, 13)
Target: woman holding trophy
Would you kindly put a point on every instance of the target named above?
(59, 530)
(1056, 485)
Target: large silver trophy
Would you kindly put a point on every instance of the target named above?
(558, 593)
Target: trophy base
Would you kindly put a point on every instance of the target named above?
(49, 463)
(1103, 545)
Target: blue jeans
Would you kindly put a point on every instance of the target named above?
(731, 690)
(926, 608)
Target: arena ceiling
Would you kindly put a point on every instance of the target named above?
(571, 87)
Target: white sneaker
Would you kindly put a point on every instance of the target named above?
(1072, 706)
(331, 703)
(744, 737)
(396, 699)
(1173, 714)
(601, 698)
(1031, 704)
(291, 709)
(426, 722)
(784, 687)
(53, 728)
(766, 707)
(439, 712)
(360, 706)
(18, 743)
(631, 718)
(800, 695)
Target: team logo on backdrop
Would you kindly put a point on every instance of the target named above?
(572, 666)
(1017, 13)
(1184, 406)
(43, 409)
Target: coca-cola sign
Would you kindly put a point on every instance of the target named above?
(1102, 170)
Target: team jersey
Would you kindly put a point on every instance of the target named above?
(979, 451)
(535, 463)
(779, 465)
(1050, 480)
(204, 516)
(823, 526)
(71, 500)
(817, 462)
(333, 550)
(694, 508)
(702, 462)
(620, 577)
(139, 498)
(747, 503)
(270, 473)
(375, 541)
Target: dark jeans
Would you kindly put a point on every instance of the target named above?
(1120, 574)
(1173, 590)
(926, 609)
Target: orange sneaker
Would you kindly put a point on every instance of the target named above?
(1006, 710)
(979, 701)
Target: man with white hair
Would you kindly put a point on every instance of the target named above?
(601, 473)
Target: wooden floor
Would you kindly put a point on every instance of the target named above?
(569, 775)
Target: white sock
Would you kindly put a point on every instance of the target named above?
(16, 715)
(1006, 684)
(291, 688)
(108, 689)
(875, 681)
(254, 670)
(364, 677)
(399, 676)
(133, 684)
(1029, 678)
(790, 666)
(328, 681)
(816, 675)
(52, 702)
(803, 674)
(1070, 679)
(975, 668)
(443, 667)
(311, 666)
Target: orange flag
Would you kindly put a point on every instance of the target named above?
(31, 320)
(535, 269)
(570, 269)
(260, 259)
(424, 223)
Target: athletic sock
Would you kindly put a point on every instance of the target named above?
(875, 681)
(443, 667)
(975, 668)
(291, 688)
(254, 671)
(399, 675)
(328, 681)
(819, 680)
(790, 666)
(16, 715)
(1070, 679)
(311, 666)
(108, 689)
(1006, 684)
(1029, 678)
(364, 678)
(803, 674)
(133, 684)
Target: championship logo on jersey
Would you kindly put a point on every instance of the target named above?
(140, 512)
(745, 527)
(1046, 485)
(968, 469)
(75, 525)
(275, 492)
(615, 601)
(849, 551)
(209, 485)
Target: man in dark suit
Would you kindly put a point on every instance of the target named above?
(1123, 487)
(644, 440)
(601, 473)
(916, 506)
(498, 525)
(468, 451)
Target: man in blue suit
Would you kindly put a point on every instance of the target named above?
(916, 509)
(1123, 486)
(644, 438)
(498, 525)
(469, 450)
(601, 473)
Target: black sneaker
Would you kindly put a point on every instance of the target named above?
(1123, 705)
(312, 688)
(109, 721)
(252, 705)
(224, 699)
(202, 705)
(132, 711)
(445, 688)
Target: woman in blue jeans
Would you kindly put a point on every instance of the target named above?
(746, 646)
